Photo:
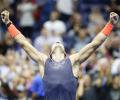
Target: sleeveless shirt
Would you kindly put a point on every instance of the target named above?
(59, 81)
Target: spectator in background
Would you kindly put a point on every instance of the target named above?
(75, 20)
(90, 66)
(114, 5)
(80, 90)
(6, 93)
(2, 60)
(55, 26)
(114, 92)
(10, 64)
(48, 7)
(74, 31)
(65, 7)
(21, 90)
(45, 40)
(82, 38)
(85, 90)
(96, 20)
(115, 66)
(4, 4)
(96, 13)
(37, 88)
(38, 12)
(6, 43)
(104, 66)
(114, 48)
(24, 83)
(26, 9)
(39, 2)
(4, 69)
(70, 38)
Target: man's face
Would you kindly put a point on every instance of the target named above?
(2, 59)
(54, 15)
(10, 59)
(58, 51)
(87, 80)
(116, 81)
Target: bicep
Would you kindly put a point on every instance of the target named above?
(30, 50)
(80, 56)
(89, 49)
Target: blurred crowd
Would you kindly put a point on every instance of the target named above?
(74, 23)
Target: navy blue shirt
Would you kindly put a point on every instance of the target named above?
(59, 81)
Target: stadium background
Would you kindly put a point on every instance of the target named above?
(73, 22)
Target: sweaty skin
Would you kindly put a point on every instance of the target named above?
(81, 56)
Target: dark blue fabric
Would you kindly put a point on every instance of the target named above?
(59, 81)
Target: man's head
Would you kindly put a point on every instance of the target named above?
(10, 58)
(116, 81)
(54, 16)
(87, 81)
(58, 51)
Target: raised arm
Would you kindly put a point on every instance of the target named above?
(83, 54)
(16, 34)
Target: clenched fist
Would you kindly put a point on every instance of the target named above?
(114, 18)
(5, 17)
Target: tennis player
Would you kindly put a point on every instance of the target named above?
(59, 79)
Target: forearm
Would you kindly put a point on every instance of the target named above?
(100, 38)
(96, 43)
(23, 42)
(16, 34)
(80, 90)
(20, 39)
(90, 48)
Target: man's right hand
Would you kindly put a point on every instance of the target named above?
(5, 17)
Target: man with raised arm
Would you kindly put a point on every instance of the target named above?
(58, 74)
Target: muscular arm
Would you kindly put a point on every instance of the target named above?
(90, 48)
(30, 50)
(83, 54)
(16, 34)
